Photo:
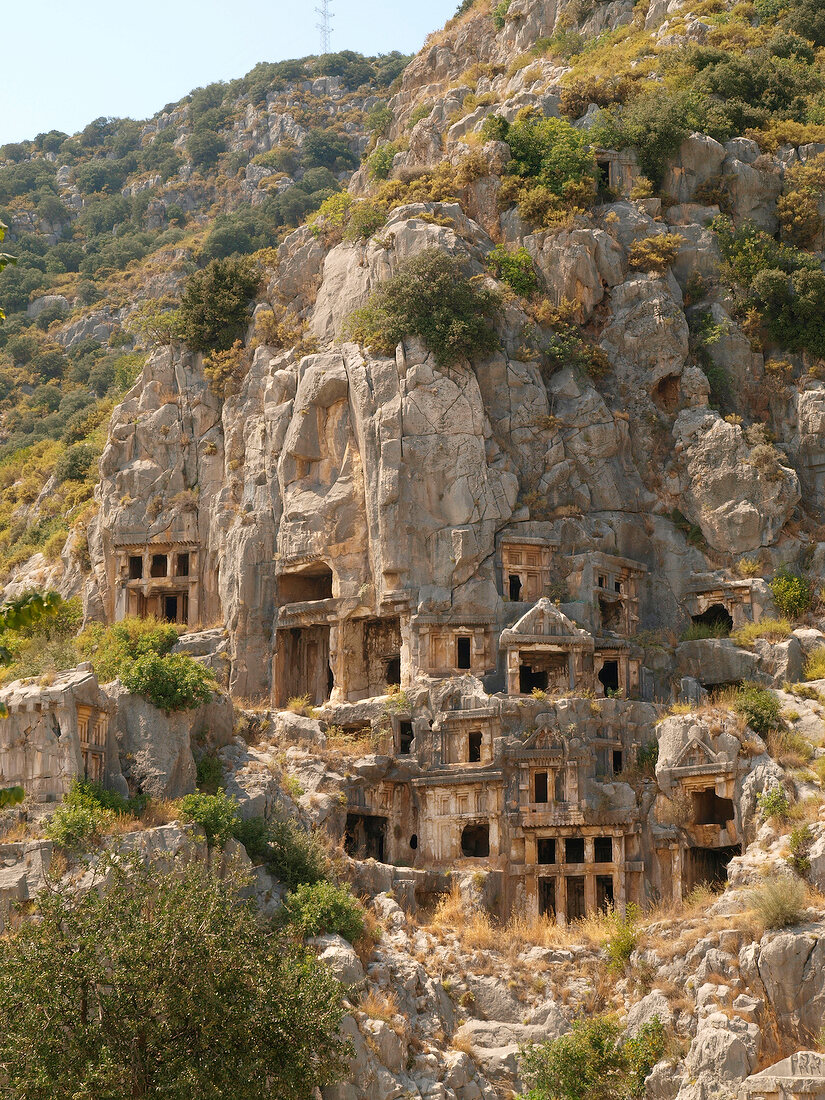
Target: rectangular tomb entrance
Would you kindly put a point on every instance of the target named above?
(302, 665)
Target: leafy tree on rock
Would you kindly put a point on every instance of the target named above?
(162, 985)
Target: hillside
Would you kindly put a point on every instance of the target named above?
(461, 419)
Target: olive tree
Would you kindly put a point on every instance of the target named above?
(162, 984)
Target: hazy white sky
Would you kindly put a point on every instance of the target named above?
(64, 64)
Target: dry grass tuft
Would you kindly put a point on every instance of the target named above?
(379, 1005)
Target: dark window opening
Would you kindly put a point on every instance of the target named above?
(474, 748)
(528, 680)
(575, 897)
(170, 608)
(405, 738)
(603, 189)
(618, 761)
(364, 836)
(665, 393)
(392, 669)
(135, 568)
(160, 565)
(182, 565)
(717, 618)
(462, 647)
(604, 892)
(546, 850)
(414, 841)
(709, 865)
(612, 614)
(617, 587)
(574, 849)
(603, 849)
(306, 586)
(547, 897)
(710, 809)
(475, 841)
(540, 787)
(602, 582)
(609, 677)
(330, 680)
(515, 586)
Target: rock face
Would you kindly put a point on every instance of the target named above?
(461, 608)
(156, 748)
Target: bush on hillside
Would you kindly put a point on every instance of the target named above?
(514, 267)
(217, 814)
(760, 708)
(781, 902)
(110, 647)
(214, 309)
(655, 254)
(294, 855)
(429, 296)
(316, 908)
(175, 682)
(591, 1062)
(162, 982)
(791, 593)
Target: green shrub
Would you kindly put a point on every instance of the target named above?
(647, 757)
(623, 939)
(11, 796)
(217, 814)
(655, 254)
(499, 14)
(294, 855)
(204, 148)
(109, 648)
(760, 708)
(316, 908)
(591, 1062)
(655, 123)
(165, 985)
(379, 163)
(210, 773)
(801, 841)
(214, 309)
(552, 153)
(515, 267)
(773, 804)
(791, 593)
(781, 902)
(430, 297)
(175, 682)
(85, 814)
(364, 220)
(75, 462)
(252, 832)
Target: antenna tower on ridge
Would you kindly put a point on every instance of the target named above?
(325, 25)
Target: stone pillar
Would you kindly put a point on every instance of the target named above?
(561, 900)
(620, 879)
(571, 668)
(589, 877)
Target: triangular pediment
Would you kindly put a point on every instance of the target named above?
(545, 618)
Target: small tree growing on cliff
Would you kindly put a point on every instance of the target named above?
(214, 309)
(162, 985)
(429, 296)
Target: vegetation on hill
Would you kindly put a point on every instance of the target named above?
(163, 984)
(93, 216)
